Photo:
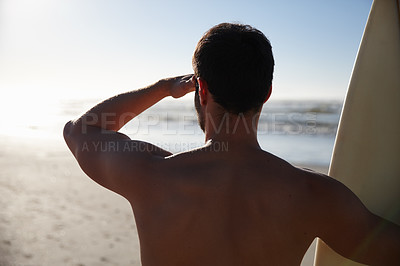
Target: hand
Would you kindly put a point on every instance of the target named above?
(179, 86)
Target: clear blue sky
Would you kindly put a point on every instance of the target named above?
(96, 47)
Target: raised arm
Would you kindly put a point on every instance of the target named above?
(115, 112)
(349, 228)
(103, 153)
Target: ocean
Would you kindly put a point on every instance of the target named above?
(301, 132)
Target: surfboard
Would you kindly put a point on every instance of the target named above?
(366, 155)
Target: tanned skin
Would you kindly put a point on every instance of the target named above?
(228, 202)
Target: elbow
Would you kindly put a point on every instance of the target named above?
(75, 136)
(67, 131)
(69, 137)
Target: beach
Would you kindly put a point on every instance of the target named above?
(51, 213)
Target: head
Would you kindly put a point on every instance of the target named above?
(235, 61)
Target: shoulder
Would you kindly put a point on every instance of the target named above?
(334, 206)
(320, 197)
(325, 193)
(325, 188)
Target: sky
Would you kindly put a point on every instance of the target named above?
(52, 50)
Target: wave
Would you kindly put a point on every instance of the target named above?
(277, 117)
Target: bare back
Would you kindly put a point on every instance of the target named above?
(224, 208)
(240, 206)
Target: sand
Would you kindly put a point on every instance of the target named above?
(52, 214)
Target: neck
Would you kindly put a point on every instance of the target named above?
(235, 130)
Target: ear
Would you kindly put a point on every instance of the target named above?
(203, 91)
(269, 94)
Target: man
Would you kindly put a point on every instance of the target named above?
(237, 206)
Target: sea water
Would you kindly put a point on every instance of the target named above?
(301, 132)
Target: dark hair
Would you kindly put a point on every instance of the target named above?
(237, 63)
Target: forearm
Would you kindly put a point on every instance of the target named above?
(113, 113)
